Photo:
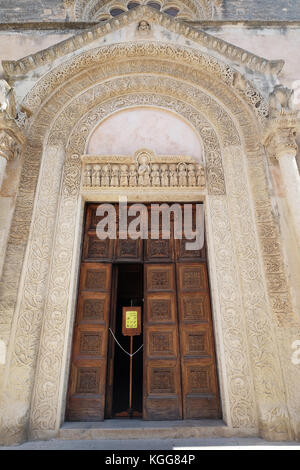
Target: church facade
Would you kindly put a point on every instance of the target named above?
(193, 102)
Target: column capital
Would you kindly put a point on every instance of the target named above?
(279, 138)
(279, 135)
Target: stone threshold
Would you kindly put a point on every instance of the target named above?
(121, 429)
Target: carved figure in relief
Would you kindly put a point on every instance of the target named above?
(97, 175)
(200, 176)
(87, 179)
(182, 174)
(144, 170)
(144, 26)
(280, 101)
(124, 175)
(105, 175)
(155, 177)
(191, 175)
(164, 174)
(7, 100)
(94, 175)
(132, 175)
(114, 175)
(173, 175)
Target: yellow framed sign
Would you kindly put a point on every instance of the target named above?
(131, 321)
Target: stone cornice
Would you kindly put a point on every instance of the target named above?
(71, 26)
(238, 55)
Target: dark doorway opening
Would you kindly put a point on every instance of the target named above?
(129, 291)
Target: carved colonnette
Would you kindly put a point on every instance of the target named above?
(48, 378)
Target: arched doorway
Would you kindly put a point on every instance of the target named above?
(175, 377)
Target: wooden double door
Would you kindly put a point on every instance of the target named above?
(179, 364)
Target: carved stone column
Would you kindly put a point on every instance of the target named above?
(280, 143)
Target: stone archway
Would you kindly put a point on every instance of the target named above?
(245, 321)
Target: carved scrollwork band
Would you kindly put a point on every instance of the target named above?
(144, 170)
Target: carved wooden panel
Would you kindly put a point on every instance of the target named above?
(197, 341)
(162, 341)
(160, 278)
(194, 306)
(92, 307)
(91, 219)
(162, 383)
(198, 362)
(161, 307)
(162, 380)
(192, 277)
(87, 380)
(95, 277)
(86, 394)
(184, 254)
(128, 250)
(95, 249)
(159, 250)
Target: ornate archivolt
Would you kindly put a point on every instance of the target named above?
(153, 55)
(144, 169)
(244, 320)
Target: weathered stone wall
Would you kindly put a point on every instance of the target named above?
(31, 10)
(251, 10)
(267, 10)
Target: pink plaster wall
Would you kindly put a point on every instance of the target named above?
(154, 129)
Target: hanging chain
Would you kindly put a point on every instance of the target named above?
(120, 346)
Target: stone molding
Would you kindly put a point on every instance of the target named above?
(246, 312)
(229, 51)
(144, 169)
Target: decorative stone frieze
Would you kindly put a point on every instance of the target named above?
(144, 169)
